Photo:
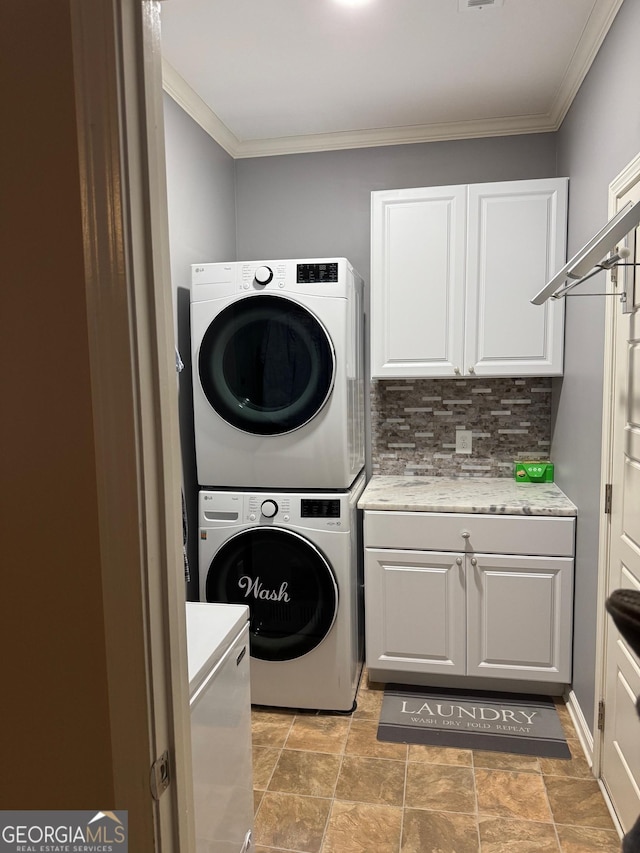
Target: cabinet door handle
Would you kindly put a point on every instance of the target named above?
(456, 370)
(474, 562)
(465, 534)
(458, 561)
(472, 369)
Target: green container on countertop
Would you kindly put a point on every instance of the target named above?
(533, 472)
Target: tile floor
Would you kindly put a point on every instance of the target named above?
(325, 784)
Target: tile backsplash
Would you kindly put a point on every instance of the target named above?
(414, 423)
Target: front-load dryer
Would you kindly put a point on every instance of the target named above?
(278, 381)
(296, 559)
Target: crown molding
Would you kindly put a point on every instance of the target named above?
(394, 136)
(177, 88)
(593, 35)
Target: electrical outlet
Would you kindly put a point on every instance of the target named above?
(463, 441)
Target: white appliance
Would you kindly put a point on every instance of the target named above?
(220, 702)
(278, 379)
(296, 559)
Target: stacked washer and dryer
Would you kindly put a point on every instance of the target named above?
(278, 395)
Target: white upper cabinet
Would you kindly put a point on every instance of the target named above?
(417, 281)
(453, 270)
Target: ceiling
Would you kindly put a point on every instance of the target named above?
(268, 77)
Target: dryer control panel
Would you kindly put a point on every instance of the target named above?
(327, 277)
(314, 273)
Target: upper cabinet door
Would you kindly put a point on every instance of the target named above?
(417, 281)
(515, 243)
(453, 270)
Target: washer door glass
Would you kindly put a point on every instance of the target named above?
(287, 583)
(266, 365)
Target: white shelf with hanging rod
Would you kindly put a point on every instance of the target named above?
(590, 260)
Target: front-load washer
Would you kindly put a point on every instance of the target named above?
(296, 559)
(278, 380)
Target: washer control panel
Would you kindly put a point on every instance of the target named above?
(303, 510)
(315, 511)
(268, 507)
(319, 508)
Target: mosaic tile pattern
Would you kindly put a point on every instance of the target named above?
(414, 423)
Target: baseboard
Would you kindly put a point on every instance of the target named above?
(612, 811)
(582, 728)
(586, 741)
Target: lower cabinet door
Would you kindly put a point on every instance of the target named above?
(415, 611)
(519, 617)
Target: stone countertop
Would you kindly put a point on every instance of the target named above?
(492, 496)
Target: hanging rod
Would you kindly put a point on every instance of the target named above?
(581, 266)
(610, 263)
(622, 294)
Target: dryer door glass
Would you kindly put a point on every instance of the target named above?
(288, 584)
(266, 365)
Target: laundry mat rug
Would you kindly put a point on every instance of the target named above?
(504, 722)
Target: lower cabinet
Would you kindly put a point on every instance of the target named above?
(415, 611)
(467, 612)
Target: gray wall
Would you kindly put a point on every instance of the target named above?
(600, 135)
(318, 205)
(201, 198)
